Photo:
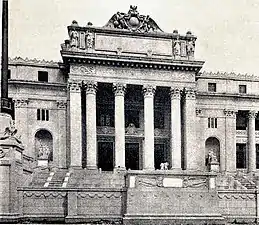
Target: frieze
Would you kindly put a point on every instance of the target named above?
(119, 89)
(47, 194)
(98, 195)
(61, 104)
(105, 130)
(230, 113)
(82, 69)
(198, 112)
(193, 182)
(149, 182)
(133, 21)
(20, 103)
(237, 196)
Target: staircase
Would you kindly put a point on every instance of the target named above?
(58, 178)
(246, 182)
(39, 178)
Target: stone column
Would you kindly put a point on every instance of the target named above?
(91, 136)
(193, 161)
(149, 92)
(62, 121)
(230, 138)
(119, 91)
(176, 156)
(75, 123)
(21, 123)
(251, 141)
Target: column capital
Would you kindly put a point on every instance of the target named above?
(61, 104)
(230, 113)
(175, 92)
(21, 103)
(74, 85)
(149, 90)
(252, 114)
(190, 93)
(198, 112)
(119, 89)
(90, 87)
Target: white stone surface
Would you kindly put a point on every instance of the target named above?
(172, 182)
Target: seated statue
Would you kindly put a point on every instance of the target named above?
(212, 157)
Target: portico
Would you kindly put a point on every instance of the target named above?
(147, 124)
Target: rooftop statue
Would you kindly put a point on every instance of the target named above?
(133, 21)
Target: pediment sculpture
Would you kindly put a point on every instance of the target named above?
(133, 21)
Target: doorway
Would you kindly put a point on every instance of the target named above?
(132, 156)
(106, 156)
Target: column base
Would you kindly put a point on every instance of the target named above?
(176, 169)
(91, 167)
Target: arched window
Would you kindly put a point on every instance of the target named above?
(44, 145)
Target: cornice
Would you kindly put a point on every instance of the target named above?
(227, 76)
(37, 83)
(131, 61)
(224, 95)
(34, 62)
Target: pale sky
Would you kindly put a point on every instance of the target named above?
(227, 30)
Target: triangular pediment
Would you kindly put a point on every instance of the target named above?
(133, 21)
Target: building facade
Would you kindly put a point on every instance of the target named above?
(129, 98)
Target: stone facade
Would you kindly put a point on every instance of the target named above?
(130, 98)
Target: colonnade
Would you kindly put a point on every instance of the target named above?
(90, 89)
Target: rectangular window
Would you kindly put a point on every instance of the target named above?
(43, 114)
(241, 156)
(43, 76)
(257, 156)
(242, 89)
(159, 119)
(9, 74)
(212, 122)
(38, 114)
(212, 87)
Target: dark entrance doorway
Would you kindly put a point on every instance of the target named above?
(132, 156)
(160, 155)
(105, 156)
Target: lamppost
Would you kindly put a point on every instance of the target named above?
(6, 103)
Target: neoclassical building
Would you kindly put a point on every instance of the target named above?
(126, 99)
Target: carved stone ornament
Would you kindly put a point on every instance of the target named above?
(2, 153)
(230, 113)
(190, 94)
(132, 21)
(10, 132)
(190, 47)
(90, 87)
(252, 114)
(74, 37)
(177, 48)
(198, 112)
(175, 93)
(61, 104)
(131, 129)
(19, 103)
(90, 40)
(44, 151)
(119, 89)
(74, 85)
(193, 182)
(149, 90)
(82, 69)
